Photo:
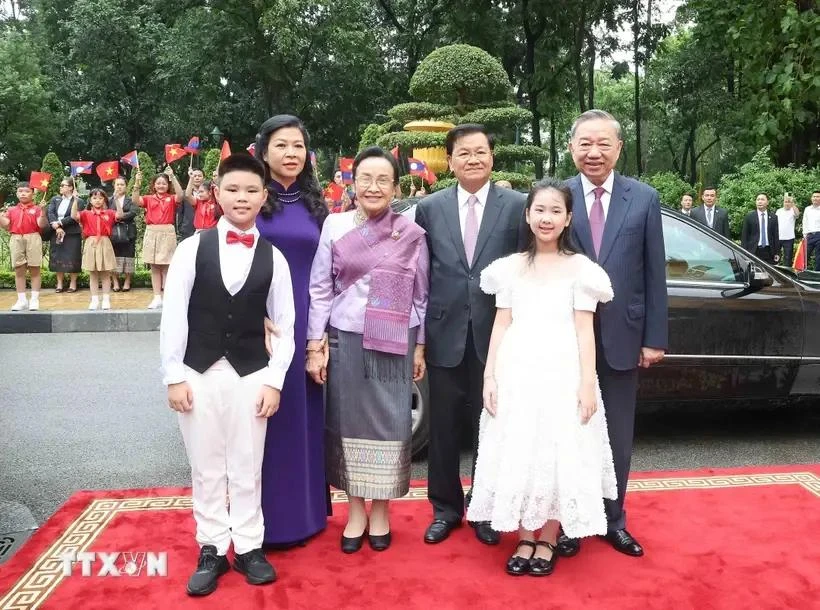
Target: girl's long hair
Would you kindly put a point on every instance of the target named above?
(164, 177)
(566, 244)
(308, 184)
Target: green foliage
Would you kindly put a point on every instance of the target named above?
(52, 165)
(737, 192)
(418, 111)
(495, 118)
(671, 187)
(412, 139)
(27, 125)
(140, 279)
(371, 135)
(511, 153)
(8, 187)
(210, 162)
(460, 75)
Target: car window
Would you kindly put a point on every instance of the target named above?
(693, 255)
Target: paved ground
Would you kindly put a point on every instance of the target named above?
(137, 298)
(87, 411)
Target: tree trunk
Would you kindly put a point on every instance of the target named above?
(591, 72)
(579, 46)
(636, 32)
(536, 135)
(553, 144)
(693, 160)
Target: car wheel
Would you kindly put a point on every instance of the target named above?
(421, 416)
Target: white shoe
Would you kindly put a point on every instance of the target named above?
(95, 304)
(106, 302)
(34, 305)
(20, 305)
(156, 303)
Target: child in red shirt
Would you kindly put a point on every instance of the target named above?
(160, 239)
(97, 223)
(24, 221)
(206, 209)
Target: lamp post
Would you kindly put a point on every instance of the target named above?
(216, 136)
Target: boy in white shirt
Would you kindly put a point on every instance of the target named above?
(222, 283)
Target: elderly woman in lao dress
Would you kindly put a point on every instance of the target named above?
(368, 298)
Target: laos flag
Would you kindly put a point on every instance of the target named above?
(80, 167)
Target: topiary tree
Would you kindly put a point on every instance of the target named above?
(460, 75)
(210, 163)
(463, 84)
(52, 165)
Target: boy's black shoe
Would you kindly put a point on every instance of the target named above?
(256, 568)
(208, 570)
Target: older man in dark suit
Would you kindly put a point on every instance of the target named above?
(617, 222)
(468, 226)
(712, 215)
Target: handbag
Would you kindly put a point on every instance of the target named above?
(119, 233)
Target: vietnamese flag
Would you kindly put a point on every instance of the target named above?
(174, 152)
(346, 167)
(80, 167)
(800, 261)
(192, 146)
(108, 171)
(225, 152)
(131, 159)
(334, 191)
(39, 181)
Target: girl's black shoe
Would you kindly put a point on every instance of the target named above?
(518, 566)
(540, 566)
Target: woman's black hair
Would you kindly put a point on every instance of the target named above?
(98, 191)
(566, 245)
(377, 152)
(307, 181)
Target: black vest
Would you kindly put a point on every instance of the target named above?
(223, 325)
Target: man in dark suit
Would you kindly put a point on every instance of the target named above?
(617, 223)
(468, 226)
(686, 204)
(711, 215)
(760, 234)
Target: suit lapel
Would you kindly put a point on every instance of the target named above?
(450, 212)
(618, 207)
(580, 218)
(492, 210)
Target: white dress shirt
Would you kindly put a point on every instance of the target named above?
(589, 192)
(235, 265)
(811, 219)
(785, 223)
(481, 194)
(63, 208)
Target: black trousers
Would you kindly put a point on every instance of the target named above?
(619, 391)
(765, 253)
(453, 391)
(788, 252)
(812, 244)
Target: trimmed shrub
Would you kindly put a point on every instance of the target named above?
(460, 75)
(149, 170)
(510, 153)
(671, 187)
(52, 165)
(520, 182)
(412, 139)
(371, 134)
(210, 163)
(418, 111)
(497, 118)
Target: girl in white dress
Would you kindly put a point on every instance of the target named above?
(543, 456)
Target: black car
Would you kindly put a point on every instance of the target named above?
(740, 329)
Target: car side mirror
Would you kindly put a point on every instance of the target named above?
(757, 277)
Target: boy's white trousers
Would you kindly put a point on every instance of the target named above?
(225, 441)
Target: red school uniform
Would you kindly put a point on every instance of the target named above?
(24, 219)
(204, 214)
(97, 223)
(159, 210)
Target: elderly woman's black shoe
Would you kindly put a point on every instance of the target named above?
(540, 566)
(518, 566)
(351, 545)
(380, 543)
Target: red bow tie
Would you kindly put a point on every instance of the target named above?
(235, 238)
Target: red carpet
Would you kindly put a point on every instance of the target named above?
(733, 538)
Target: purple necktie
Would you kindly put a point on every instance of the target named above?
(470, 229)
(597, 220)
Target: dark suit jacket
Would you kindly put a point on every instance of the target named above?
(455, 298)
(720, 221)
(129, 211)
(750, 234)
(185, 219)
(633, 255)
(69, 224)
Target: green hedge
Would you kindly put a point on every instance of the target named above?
(210, 161)
(520, 182)
(418, 111)
(140, 279)
(53, 166)
(671, 187)
(412, 139)
(496, 118)
(510, 153)
(460, 75)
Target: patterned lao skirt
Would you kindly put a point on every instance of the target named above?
(368, 423)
